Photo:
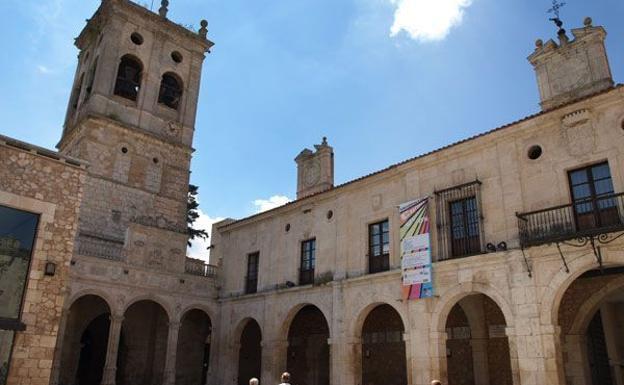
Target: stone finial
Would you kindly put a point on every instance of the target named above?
(588, 22)
(164, 4)
(203, 31)
(539, 43)
(324, 142)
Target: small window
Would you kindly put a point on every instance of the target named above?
(176, 57)
(170, 91)
(379, 247)
(129, 75)
(308, 262)
(136, 38)
(251, 281)
(534, 152)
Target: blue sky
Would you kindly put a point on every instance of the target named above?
(384, 80)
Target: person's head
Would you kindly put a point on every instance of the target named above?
(254, 381)
(285, 377)
(436, 382)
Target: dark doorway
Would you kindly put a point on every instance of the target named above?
(93, 344)
(143, 353)
(250, 354)
(308, 350)
(383, 348)
(597, 352)
(193, 355)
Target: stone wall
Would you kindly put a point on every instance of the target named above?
(39, 181)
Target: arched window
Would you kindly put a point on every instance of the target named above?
(76, 93)
(129, 75)
(91, 79)
(170, 91)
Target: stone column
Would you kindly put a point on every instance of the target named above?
(609, 325)
(437, 349)
(274, 360)
(576, 363)
(480, 360)
(344, 356)
(110, 367)
(172, 350)
(58, 350)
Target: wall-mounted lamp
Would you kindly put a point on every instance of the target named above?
(50, 269)
(367, 353)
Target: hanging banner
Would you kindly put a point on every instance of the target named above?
(416, 249)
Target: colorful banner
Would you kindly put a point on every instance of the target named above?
(416, 249)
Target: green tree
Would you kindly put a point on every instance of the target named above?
(192, 213)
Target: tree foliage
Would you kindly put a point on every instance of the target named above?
(192, 214)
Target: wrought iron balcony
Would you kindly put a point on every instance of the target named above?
(586, 218)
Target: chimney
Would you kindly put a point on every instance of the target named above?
(315, 170)
(571, 69)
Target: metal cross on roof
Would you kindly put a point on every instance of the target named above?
(556, 6)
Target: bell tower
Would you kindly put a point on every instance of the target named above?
(131, 116)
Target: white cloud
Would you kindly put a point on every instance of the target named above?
(43, 69)
(199, 247)
(271, 203)
(427, 20)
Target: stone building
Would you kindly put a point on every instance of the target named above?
(525, 227)
(40, 194)
(510, 241)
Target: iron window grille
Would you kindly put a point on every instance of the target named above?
(459, 221)
(251, 281)
(379, 247)
(308, 262)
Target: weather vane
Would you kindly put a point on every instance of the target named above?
(556, 7)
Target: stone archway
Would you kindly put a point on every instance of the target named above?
(308, 348)
(589, 316)
(193, 351)
(250, 352)
(143, 346)
(477, 347)
(85, 342)
(383, 349)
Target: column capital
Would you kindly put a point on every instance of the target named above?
(116, 318)
(174, 325)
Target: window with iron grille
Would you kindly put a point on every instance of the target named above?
(129, 77)
(379, 247)
(459, 221)
(595, 205)
(308, 262)
(251, 282)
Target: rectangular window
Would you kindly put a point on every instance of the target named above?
(308, 262)
(251, 284)
(464, 217)
(17, 238)
(379, 247)
(595, 205)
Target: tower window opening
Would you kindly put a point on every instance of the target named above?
(129, 75)
(176, 57)
(136, 38)
(170, 91)
(91, 79)
(76, 93)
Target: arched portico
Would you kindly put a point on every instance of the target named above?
(84, 347)
(308, 347)
(194, 348)
(249, 351)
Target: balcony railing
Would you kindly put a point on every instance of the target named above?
(99, 247)
(200, 268)
(583, 218)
